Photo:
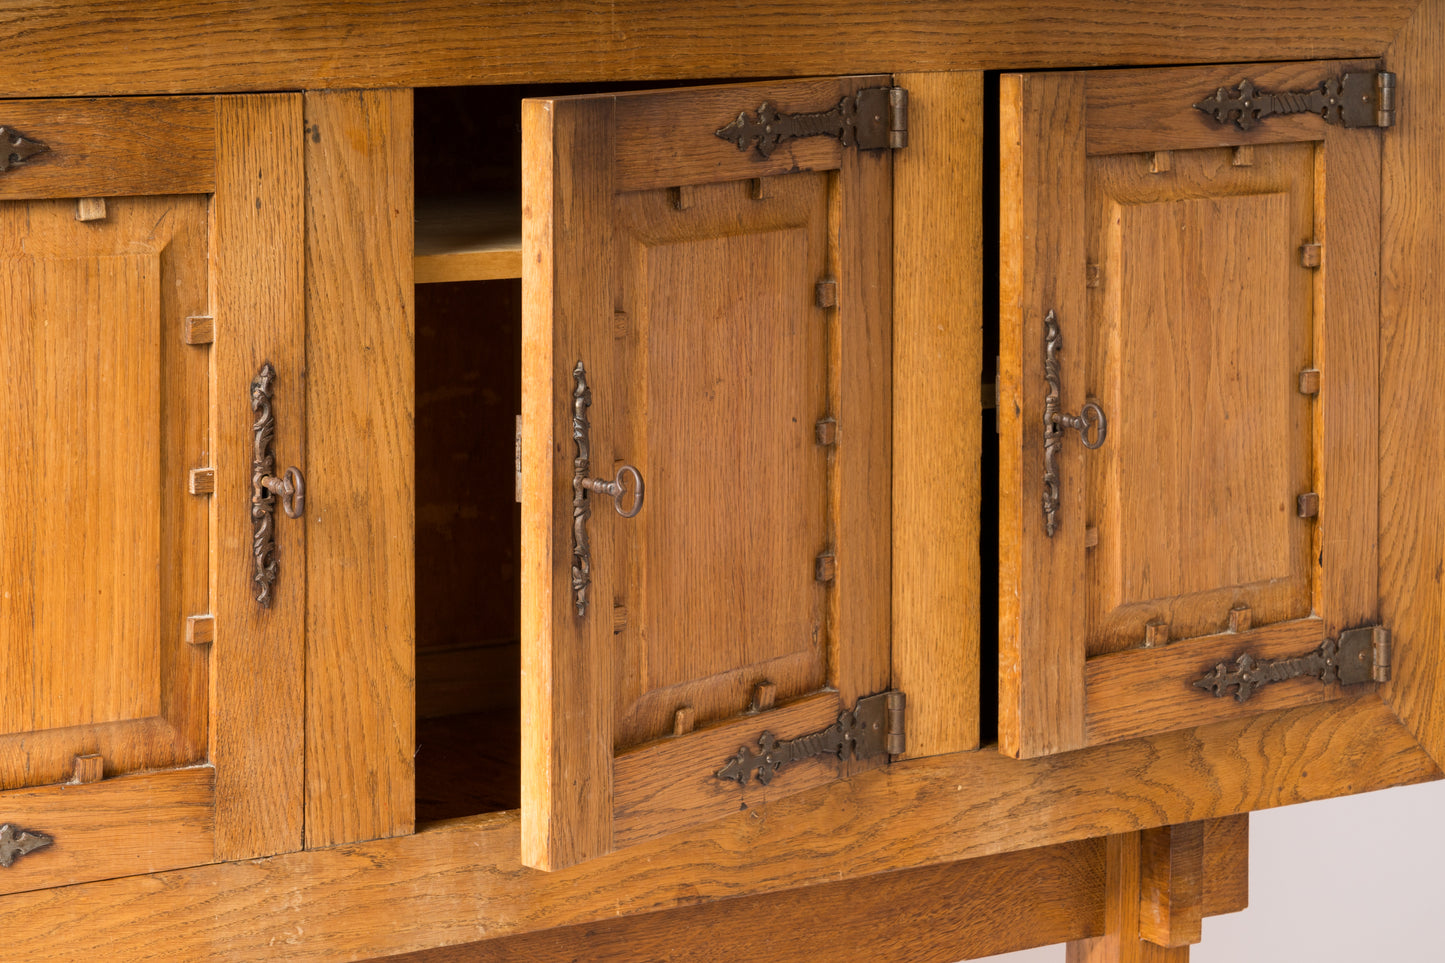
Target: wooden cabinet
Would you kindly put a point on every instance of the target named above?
(151, 264)
(473, 725)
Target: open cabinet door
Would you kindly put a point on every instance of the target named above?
(706, 324)
(1190, 260)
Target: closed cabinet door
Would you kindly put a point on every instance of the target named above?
(1188, 396)
(149, 266)
(705, 456)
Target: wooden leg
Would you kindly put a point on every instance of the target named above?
(1160, 880)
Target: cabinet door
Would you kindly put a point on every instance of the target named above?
(1212, 289)
(718, 318)
(149, 264)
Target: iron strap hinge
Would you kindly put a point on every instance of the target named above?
(874, 728)
(875, 118)
(1358, 655)
(1353, 100)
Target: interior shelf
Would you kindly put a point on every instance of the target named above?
(468, 239)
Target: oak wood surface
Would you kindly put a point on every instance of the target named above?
(257, 299)
(468, 239)
(176, 46)
(1412, 528)
(901, 915)
(1171, 883)
(1147, 110)
(99, 148)
(700, 309)
(108, 404)
(1347, 353)
(1210, 441)
(461, 880)
(1121, 941)
(122, 826)
(1041, 269)
(566, 658)
(937, 345)
(1145, 690)
(360, 616)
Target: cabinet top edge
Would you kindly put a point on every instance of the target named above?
(95, 48)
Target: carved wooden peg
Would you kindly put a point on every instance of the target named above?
(1309, 505)
(200, 629)
(200, 329)
(201, 481)
(90, 209)
(1240, 618)
(1309, 381)
(826, 293)
(765, 696)
(1161, 162)
(683, 720)
(1311, 255)
(1244, 155)
(825, 568)
(88, 768)
(1156, 633)
(826, 431)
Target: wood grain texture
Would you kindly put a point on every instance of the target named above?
(1131, 111)
(94, 47)
(460, 881)
(1210, 443)
(257, 296)
(1347, 352)
(107, 406)
(1412, 431)
(360, 616)
(889, 916)
(699, 310)
(860, 393)
(671, 785)
(1171, 884)
(1041, 269)
(1121, 941)
(468, 239)
(717, 326)
(886, 916)
(937, 344)
(566, 658)
(99, 148)
(1138, 691)
(124, 826)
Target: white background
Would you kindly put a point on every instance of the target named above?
(1353, 880)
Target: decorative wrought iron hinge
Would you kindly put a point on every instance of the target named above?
(16, 148)
(1358, 655)
(874, 727)
(1354, 100)
(874, 119)
(15, 842)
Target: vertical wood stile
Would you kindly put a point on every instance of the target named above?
(1412, 428)
(1121, 942)
(360, 630)
(257, 293)
(937, 343)
(1347, 331)
(860, 480)
(1042, 268)
(567, 191)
